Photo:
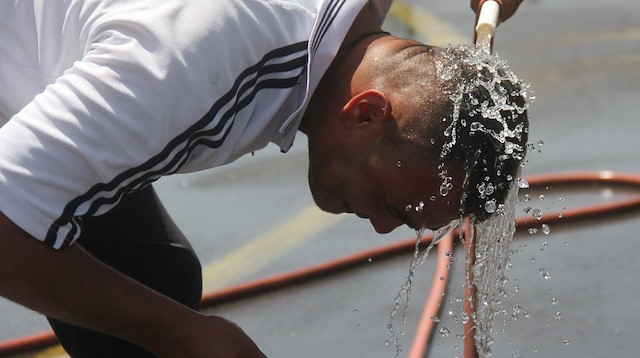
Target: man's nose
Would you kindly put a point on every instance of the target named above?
(385, 224)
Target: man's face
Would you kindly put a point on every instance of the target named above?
(388, 186)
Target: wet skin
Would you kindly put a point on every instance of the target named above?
(388, 194)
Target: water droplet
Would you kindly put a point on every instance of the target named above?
(408, 207)
(516, 311)
(490, 206)
(565, 342)
(546, 229)
(516, 288)
(554, 301)
(399, 164)
(537, 214)
(544, 245)
(523, 183)
(489, 189)
(444, 331)
(435, 319)
(546, 275)
(558, 315)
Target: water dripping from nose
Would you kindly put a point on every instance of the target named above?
(405, 289)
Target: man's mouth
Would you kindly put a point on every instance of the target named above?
(346, 208)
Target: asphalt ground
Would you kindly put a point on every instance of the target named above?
(256, 218)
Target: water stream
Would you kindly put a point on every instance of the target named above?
(493, 238)
(490, 102)
(405, 290)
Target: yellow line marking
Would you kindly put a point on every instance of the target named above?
(434, 30)
(53, 352)
(267, 248)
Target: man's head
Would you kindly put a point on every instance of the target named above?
(397, 141)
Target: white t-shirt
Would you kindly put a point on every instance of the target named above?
(100, 98)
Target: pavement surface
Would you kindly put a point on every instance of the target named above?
(573, 291)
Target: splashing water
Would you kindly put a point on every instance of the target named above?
(492, 248)
(473, 69)
(405, 289)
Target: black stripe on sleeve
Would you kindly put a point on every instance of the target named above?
(280, 68)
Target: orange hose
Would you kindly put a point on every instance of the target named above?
(27, 343)
(425, 327)
(434, 301)
(311, 272)
(469, 296)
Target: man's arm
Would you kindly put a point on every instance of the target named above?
(72, 286)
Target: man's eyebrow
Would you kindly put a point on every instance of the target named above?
(403, 216)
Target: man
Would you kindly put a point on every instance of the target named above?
(102, 98)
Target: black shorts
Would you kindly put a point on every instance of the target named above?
(139, 239)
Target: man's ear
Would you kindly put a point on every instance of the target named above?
(368, 109)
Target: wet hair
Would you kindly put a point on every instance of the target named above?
(486, 125)
(472, 114)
